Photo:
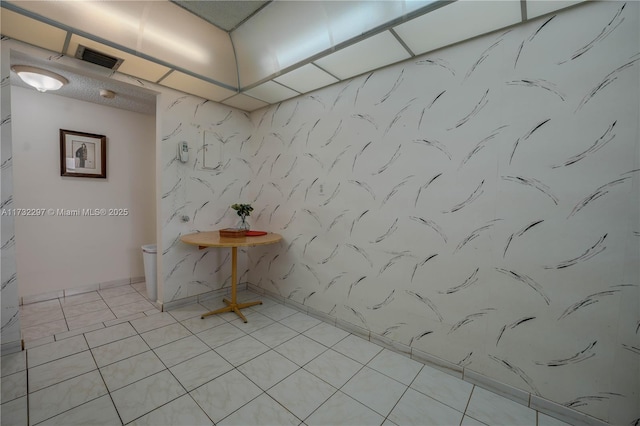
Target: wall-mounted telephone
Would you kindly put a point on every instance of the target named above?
(183, 152)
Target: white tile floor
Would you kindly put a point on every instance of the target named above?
(111, 358)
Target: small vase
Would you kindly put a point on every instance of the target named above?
(243, 224)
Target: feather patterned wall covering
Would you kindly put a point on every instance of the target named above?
(10, 309)
(479, 203)
(196, 199)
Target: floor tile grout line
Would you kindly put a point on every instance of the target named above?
(152, 410)
(469, 401)
(104, 382)
(302, 367)
(299, 367)
(338, 389)
(199, 406)
(45, 311)
(26, 365)
(109, 392)
(298, 333)
(70, 378)
(396, 404)
(179, 382)
(123, 359)
(67, 320)
(263, 392)
(280, 381)
(431, 397)
(233, 368)
(109, 306)
(278, 402)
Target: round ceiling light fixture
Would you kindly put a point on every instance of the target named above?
(109, 94)
(42, 80)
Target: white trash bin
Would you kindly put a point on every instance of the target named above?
(149, 253)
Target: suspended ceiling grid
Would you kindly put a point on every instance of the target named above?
(249, 54)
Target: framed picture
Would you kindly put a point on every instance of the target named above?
(83, 154)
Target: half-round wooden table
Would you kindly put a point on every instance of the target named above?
(212, 239)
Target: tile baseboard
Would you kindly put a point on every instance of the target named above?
(42, 297)
(74, 291)
(563, 413)
(520, 396)
(391, 344)
(202, 297)
(437, 363)
(517, 395)
(354, 329)
(11, 347)
(322, 316)
(114, 283)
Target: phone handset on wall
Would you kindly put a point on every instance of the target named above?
(183, 152)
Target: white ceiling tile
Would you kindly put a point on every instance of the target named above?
(132, 65)
(31, 31)
(158, 29)
(306, 78)
(271, 92)
(457, 21)
(540, 7)
(223, 14)
(369, 54)
(244, 102)
(186, 41)
(188, 84)
(286, 33)
(118, 22)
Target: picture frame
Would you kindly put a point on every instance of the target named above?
(83, 154)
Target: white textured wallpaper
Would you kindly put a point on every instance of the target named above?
(479, 203)
(195, 199)
(10, 331)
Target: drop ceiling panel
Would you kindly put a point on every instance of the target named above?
(30, 31)
(118, 22)
(349, 19)
(159, 29)
(539, 7)
(245, 103)
(306, 78)
(132, 65)
(221, 13)
(271, 92)
(456, 22)
(265, 45)
(178, 37)
(286, 33)
(369, 54)
(188, 84)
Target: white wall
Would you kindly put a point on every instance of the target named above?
(55, 252)
(480, 204)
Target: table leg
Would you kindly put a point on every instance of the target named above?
(233, 305)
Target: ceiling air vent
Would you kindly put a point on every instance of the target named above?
(98, 58)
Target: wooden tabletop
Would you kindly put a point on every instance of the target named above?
(213, 239)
